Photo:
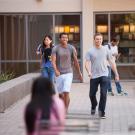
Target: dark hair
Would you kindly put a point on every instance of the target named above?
(115, 39)
(47, 36)
(97, 34)
(41, 100)
(61, 34)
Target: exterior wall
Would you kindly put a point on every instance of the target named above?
(87, 31)
(86, 7)
(40, 6)
(114, 5)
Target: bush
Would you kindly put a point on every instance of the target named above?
(6, 76)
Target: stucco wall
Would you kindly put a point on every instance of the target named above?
(40, 5)
(64, 5)
(113, 5)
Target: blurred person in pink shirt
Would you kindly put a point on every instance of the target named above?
(45, 113)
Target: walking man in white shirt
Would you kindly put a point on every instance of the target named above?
(113, 48)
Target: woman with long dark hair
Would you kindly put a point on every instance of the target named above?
(46, 64)
(45, 113)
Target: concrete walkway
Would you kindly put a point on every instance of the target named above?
(120, 113)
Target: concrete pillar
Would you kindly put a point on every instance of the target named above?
(87, 31)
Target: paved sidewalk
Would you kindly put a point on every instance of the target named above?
(120, 112)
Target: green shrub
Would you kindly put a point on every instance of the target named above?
(6, 76)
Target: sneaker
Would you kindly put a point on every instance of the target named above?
(122, 93)
(103, 117)
(125, 93)
(93, 111)
(111, 93)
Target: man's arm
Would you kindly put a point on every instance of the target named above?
(57, 72)
(88, 68)
(77, 65)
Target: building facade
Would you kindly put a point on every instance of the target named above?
(24, 24)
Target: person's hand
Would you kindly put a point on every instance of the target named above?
(80, 77)
(90, 75)
(116, 77)
(57, 73)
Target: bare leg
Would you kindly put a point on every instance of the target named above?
(66, 100)
(61, 96)
(65, 97)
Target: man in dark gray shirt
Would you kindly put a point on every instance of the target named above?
(96, 67)
(62, 56)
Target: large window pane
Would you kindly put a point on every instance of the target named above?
(12, 37)
(20, 35)
(69, 24)
(126, 72)
(34, 67)
(39, 25)
(123, 25)
(101, 26)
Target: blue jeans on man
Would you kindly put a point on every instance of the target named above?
(117, 83)
(94, 83)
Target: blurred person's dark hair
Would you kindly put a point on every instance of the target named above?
(61, 34)
(41, 101)
(47, 36)
(115, 38)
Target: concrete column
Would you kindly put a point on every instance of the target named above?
(87, 31)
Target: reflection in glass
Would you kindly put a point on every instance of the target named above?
(34, 67)
(101, 26)
(12, 37)
(123, 25)
(39, 26)
(69, 24)
(21, 34)
(126, 72)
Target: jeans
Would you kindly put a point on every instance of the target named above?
(48, 72)
(117, 83)
(94, 83)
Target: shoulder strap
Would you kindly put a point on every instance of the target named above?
(71, 50)
(42, 50)
(109, 46)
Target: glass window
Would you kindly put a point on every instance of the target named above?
(38, 25)
(101, 26)
(34, 67)
(126, 72)
(123, 25)
(69, 24)
(12, 37)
